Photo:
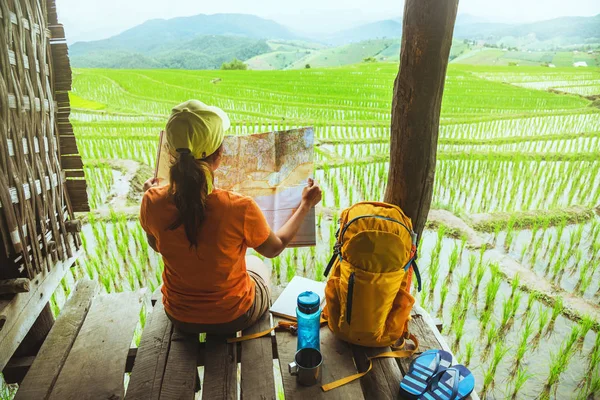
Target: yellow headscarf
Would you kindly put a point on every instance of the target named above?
(198, 127)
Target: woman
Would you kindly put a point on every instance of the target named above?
(202, 233)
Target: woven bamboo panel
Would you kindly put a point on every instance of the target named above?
(35, 77)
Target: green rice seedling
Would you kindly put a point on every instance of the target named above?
(289, 264)
(54, 307)
(491, 291)
(586, 276)
(558, 364)
(485, 317)
(530, 299)
(463, 243)
(458, 329)
(513, 306)
(509, 233)
(572, 339)
(523, 253)
(500, 351)
(469, 349)
(506, 313)
(472, 263)
(481, 253)
(590, 390)
(514, 285)
(454, 259)
(488, 378)
(585, 325)
(575, 237)
(443, 295)
(556, 311)
(491, 336)
(543, 317)
(277, 268)
(497, 230)
(304, 258)
(480, 272)
(463, 287)
(440, 237)
(319, 270)
(527, 330)
(521, 378)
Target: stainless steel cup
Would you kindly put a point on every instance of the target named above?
(307, 366)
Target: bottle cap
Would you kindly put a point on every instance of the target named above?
(308, 302)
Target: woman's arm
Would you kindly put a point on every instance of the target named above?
(152, 241)
(278, 241)
(147, 185)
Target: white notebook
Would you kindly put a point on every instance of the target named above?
(285, 305)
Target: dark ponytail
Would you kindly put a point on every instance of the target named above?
(189, 190)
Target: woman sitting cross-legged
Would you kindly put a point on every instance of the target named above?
(202, 232)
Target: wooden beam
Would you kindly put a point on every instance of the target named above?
(149, 367)
(383, 381)
(181, 372)
(220, 369)
(16, 285)
(23, 309)
(258, 381)
(426, 39)
(49, 362)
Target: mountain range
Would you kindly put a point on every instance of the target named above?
(206, 41)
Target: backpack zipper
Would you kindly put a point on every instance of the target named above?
(349, 298)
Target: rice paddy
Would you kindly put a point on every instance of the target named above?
(518, 146)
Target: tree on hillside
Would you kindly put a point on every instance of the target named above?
(234, 64)
(369, 59)
(418, 89)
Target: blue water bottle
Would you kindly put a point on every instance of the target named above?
(309, 316)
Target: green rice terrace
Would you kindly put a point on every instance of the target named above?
(511, 254)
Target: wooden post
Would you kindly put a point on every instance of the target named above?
(418, 89)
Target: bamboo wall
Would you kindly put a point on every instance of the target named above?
(37, 145)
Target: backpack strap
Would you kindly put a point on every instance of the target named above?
(290, 326)
(389, 354)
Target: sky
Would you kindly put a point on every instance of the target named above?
(98, 19)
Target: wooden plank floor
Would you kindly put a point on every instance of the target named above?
(96, 364)
(42, 375)
(337, 363)
(255, 360)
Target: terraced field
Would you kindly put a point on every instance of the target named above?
(509, 265)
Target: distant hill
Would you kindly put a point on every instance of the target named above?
(174, 43)
(201, 52)
(375, 30)
(206, 41)
(558, 32)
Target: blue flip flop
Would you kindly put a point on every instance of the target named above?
(421, 371)
(455, 383)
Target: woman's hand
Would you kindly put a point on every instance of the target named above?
(311, 195)
(277, 242)
(150, 183)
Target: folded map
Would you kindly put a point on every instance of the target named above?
(271, 167)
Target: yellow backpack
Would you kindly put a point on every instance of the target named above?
(368, 299)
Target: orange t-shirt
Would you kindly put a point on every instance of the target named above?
(208, 284)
